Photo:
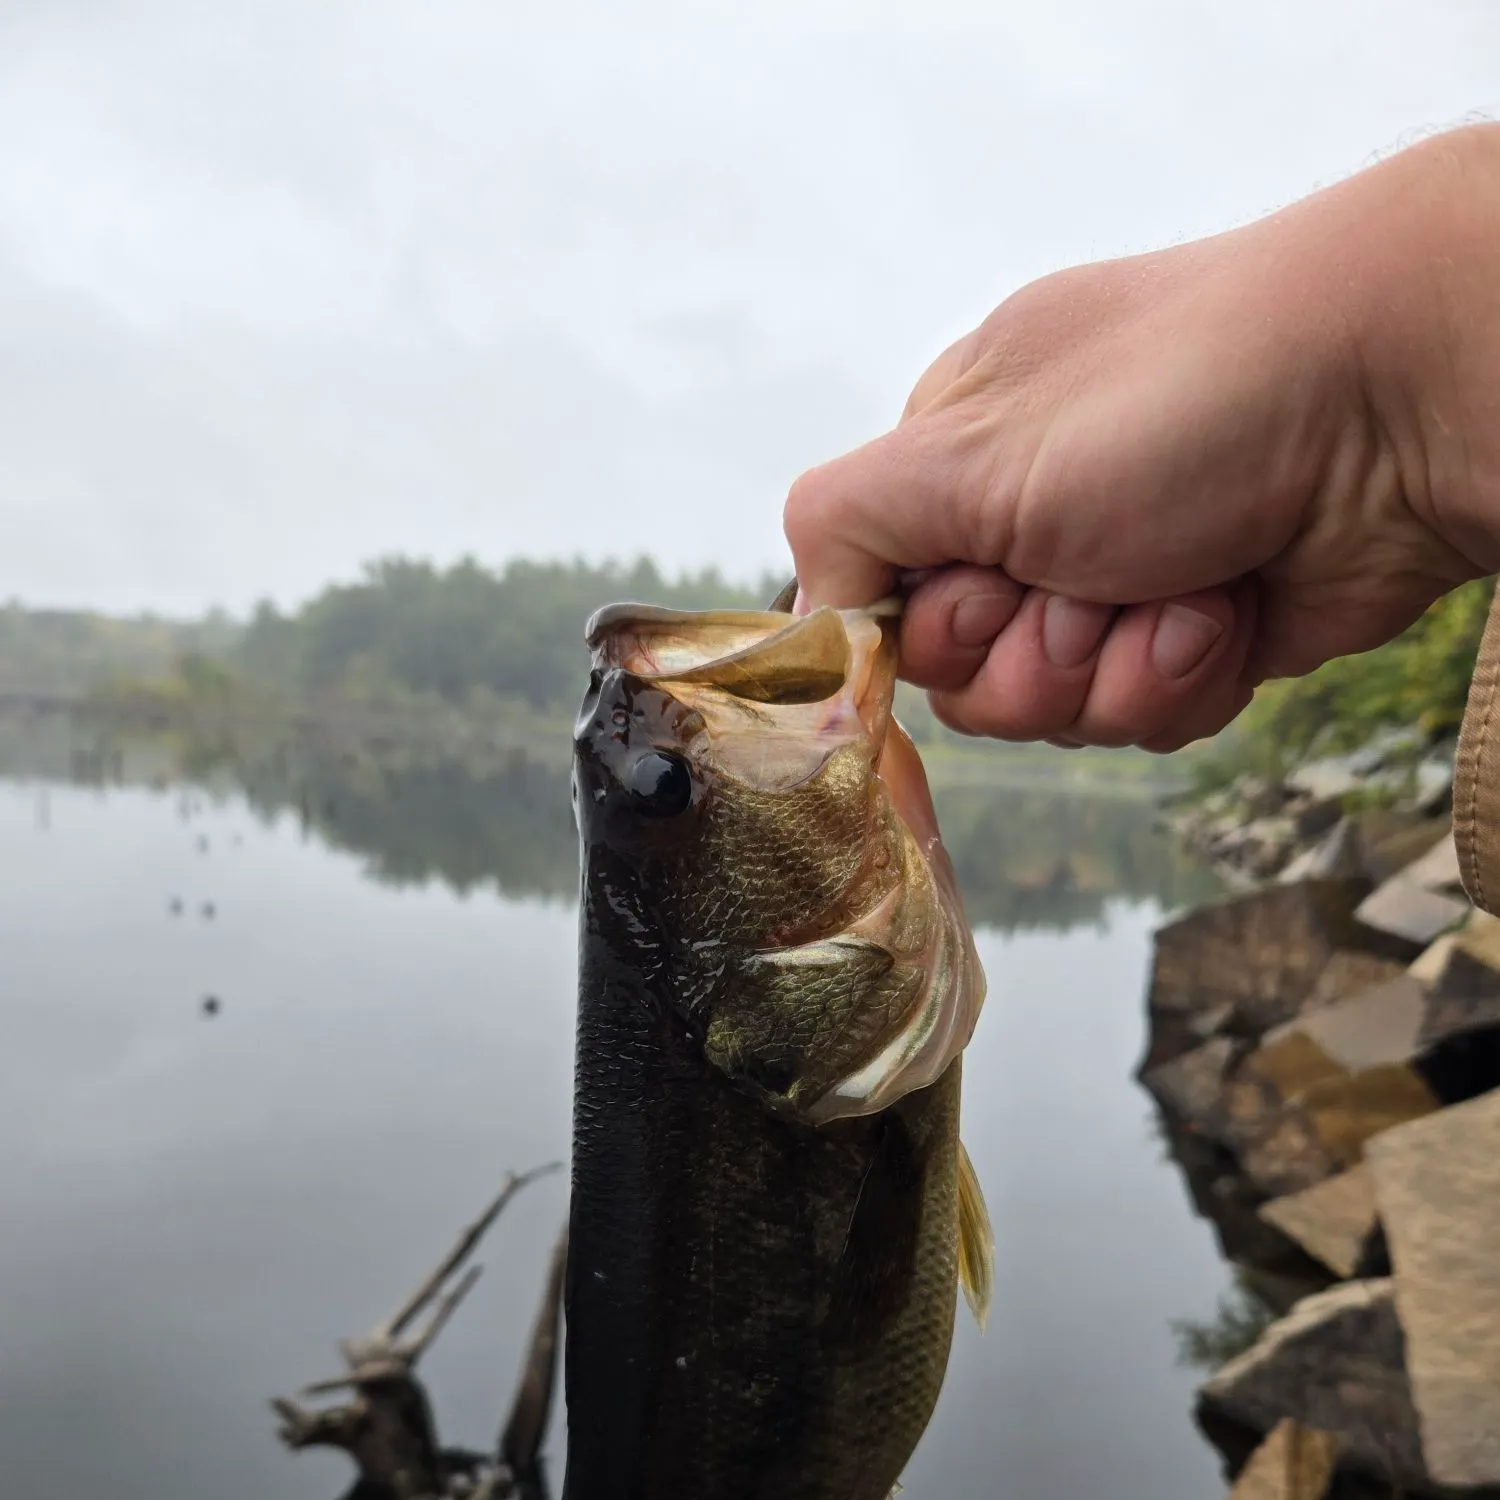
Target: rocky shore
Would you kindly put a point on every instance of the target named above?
(1325, 1055)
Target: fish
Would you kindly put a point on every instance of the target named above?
(771, 1208)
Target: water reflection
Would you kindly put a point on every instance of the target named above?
(1028, 859)
(197, 1209)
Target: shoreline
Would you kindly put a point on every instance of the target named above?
(1324, 1057)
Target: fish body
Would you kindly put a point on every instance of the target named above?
(770, 1201)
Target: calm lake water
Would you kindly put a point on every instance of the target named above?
(195, 1209)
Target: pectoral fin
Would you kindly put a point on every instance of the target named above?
(792, 1012)
(976, 1241)
(874, 1277)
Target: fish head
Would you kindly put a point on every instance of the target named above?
(758, 826)
(726, 758)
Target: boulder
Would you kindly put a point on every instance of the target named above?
(1294, 1463)
(1428, 964)
(1437, 869)
(1300, 1107)
(1260, 954)
(1191, 1086)
(1334, 1365)
(1337, 854)
(1460, 1033)
(1392, 838)
(1404, 909)
(1334, 1221)
(1346, 973)
(1434, 783)
(1315, 816)
(1465, 993)
(1437, 1184)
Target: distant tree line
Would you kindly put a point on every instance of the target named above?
(462, 632)
(505, 647)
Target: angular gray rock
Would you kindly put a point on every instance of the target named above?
(1302, 1105)
(1334, 1364)
(1334, 1220)
(1407, 910)
(1437, 1185)
(1261, 954)
(1339, 854)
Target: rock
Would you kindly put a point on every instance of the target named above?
(1261, 798)
(1294, 1463)
(1407, 910)
(1334, 1364)
(1346, 973)
(1334, 1220)
(1315, 816)
(1337, 854)
(1301, 1106)
(1460, 1033)
(1221, 1193)
(1437, 870)
(1428, 965)
(1191, 1086)
(1332, 777)
(1393, 837)
(1437, 1183)
(1465, 994)
(1434, 778)
(1364, 1030)
(1260, 953)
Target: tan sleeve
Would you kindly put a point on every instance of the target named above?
(1476, 775)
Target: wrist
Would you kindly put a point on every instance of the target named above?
(1428, 330)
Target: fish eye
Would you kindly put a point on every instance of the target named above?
(660, 784)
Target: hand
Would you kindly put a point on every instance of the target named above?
(1142, 487)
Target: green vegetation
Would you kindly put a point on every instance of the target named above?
(1419, 681)
(466, 650)
(453, 655)
(1238, 1322)
(63, 653)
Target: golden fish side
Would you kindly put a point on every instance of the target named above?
(769, 1194)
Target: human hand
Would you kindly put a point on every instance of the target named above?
(1142, 487)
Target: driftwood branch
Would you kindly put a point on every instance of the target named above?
(387, 1425)
(521, 1441)
(468, 1242)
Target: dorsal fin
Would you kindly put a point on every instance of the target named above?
(976, 1241)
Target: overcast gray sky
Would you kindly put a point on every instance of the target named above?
(290, 285)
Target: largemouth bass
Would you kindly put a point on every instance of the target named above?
(771, 1208)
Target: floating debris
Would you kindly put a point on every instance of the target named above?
(208, 910)
(175, 906)
(211, 1005)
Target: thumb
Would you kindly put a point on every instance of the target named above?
(923, 495)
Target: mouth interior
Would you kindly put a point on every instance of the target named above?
(763, 658)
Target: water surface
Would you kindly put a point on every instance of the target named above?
(195, 1209)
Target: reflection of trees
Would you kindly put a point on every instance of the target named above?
(1027, 859)
(1032, 859)
(1239, 1320)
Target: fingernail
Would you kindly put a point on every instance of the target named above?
(1183, 638)
(979, 617)
(1072, 629)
